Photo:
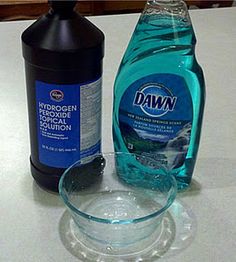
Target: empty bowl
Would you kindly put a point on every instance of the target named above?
(116, 202)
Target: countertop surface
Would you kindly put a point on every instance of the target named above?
(33, 222)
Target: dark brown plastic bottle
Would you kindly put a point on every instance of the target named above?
(63, 54)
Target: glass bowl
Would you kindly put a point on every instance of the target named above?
(116, 202)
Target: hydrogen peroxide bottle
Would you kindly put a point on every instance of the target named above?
(159, 92)
(63, 54)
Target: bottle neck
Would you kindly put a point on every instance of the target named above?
(62, 8)
(172, 8)
(170, 2)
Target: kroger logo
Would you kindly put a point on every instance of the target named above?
(56, 95)
(155, 100)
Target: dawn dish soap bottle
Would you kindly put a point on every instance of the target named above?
(159, 92)
(63, 54)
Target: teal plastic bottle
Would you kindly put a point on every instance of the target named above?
(159, 93)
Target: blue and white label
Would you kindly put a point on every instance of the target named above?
(155, 116)
(68, 122)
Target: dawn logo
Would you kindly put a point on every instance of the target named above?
(57, 95)
(155, 99)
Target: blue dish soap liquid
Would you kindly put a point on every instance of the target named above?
(159, 94)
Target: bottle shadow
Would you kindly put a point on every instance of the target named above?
(45, 197)
(211, 173)
(216, 173)
(194, 189)
(35, 193)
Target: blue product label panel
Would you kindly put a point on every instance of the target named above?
(68, 122)
(155, 117)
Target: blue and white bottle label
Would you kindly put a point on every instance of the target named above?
(68, 122)
(155, 117)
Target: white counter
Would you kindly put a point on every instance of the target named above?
(32, 220)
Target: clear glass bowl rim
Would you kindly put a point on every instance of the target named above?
(65, 199)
